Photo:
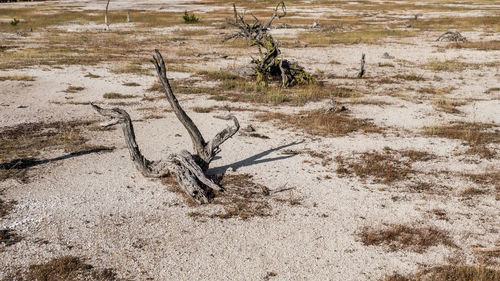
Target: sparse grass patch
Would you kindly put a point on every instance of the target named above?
(385, 64)
(67, 268)
(322, 123)
(114, 95)
(471, 191)
(480, 45)
(218, 97)
(19, 144)
(451, 65)
(199, 109)
(491, 90)
(131, 67)
(435, 91)
(74, 89)
(218, 75)
(382, 167)
(242, 199)
(17, 77)
(449, 273)
(8, 237)
(448, 105)
(365, 36)
(131, 84)
(482, 151)
(156, 87)
(404, 237)
(5, 207)
(472, 133)
(409, 77)
(90, 75)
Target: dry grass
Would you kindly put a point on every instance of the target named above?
(454, 65)
(491, 90)
(322, 123)
(17, 77)
(19, 144)
(404, 237)
(481, 45)
(131, 68)
(448, 105)
(450, 273)
(366, 35)
(200, 109)
(435, 91)
(5, 207)
(382, 167)
(131, 84)
(471, 133)
(8, 237)
(114, 95)
(74, 89)
(67, 268)
(409, 77)
(242, 198)
(90, 75)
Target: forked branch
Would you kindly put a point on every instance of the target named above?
(190, 170)
(206, 151)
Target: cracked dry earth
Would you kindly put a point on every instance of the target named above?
(406, 179)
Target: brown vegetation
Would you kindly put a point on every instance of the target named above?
(404, 237)
(449, 273)
(322, 123)
(67, 268)
(383, 167)
(19, 144)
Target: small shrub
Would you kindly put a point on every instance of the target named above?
(190, 18)
(14, 22)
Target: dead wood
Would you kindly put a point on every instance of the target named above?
(189, 169)
(106, 16)
(452, 36)
(362, 67)
(270, 64)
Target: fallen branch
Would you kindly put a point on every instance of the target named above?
(452, 36)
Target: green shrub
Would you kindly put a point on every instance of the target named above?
(190, 18)
(14, 22)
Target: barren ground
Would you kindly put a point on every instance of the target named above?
(407, 179)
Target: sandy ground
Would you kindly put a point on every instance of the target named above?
(98, 206)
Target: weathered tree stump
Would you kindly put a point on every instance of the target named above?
(270, 64)
(189, 169)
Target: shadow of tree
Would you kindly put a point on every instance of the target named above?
(256, 159)
(24, 163)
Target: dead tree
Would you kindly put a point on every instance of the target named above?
(362, 67)
(270, 64)
(451, 36)
(106, 16)
(189, 169)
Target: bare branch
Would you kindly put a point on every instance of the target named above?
(276, 14)
(196, 137)
(122, 117)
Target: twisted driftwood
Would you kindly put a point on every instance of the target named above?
(189, 169)
(452, 36)
(270, 64)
